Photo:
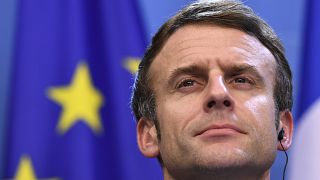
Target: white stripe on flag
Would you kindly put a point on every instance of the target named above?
(306, 146)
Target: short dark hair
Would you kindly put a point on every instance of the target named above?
(226, 13)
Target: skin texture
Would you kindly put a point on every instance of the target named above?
(215, 107)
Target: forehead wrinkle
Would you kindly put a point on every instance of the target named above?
(192, 69)
(184, 53)
(251, 46)
(239, 67)
(242, 53)
(256, 52)
(185, 43)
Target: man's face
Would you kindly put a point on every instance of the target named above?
(214, 98)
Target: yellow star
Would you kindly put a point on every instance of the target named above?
(25, 170)
(132, 65)
(80, 101)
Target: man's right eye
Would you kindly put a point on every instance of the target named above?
(186, 83)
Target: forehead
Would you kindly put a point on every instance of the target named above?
(211, 46)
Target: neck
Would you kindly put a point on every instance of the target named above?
(223, 175)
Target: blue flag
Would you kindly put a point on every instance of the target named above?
(69, 116)
(306, 146)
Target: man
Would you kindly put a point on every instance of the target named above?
(212, 94)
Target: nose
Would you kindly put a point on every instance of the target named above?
(218, 96)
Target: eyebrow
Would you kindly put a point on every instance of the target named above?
(235, 70)
(193, 70)
(241, 68)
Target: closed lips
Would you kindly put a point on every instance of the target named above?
(222, 127)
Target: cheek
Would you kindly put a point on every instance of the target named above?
(260, 106)
(177, 113)
(261, 109)
(174, 117)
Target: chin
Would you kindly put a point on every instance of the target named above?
(223, 158)
(233, 160)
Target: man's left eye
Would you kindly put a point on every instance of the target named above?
(241, 80)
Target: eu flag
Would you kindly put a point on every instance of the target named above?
(69, 116)
(306, 146)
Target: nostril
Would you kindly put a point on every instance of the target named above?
(227, 103)
(211, 104)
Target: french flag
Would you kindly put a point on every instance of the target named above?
(305, 154)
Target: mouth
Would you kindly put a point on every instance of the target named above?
(220, 130)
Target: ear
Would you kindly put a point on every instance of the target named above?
(286, 122)
(147, 138)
